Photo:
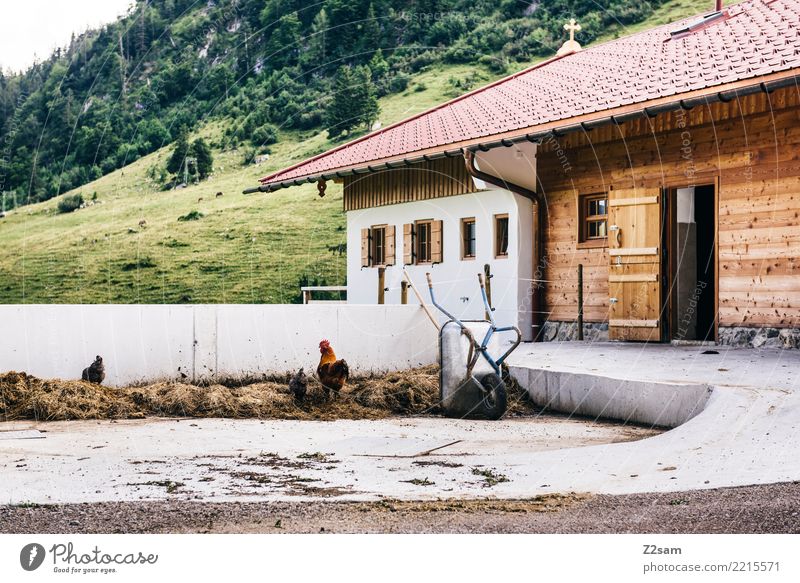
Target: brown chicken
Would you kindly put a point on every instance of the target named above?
(332, 373)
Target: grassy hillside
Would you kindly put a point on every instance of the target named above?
(242, 249)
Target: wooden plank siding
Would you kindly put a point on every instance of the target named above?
(751, 144)
(433, 179)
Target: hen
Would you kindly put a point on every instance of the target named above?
(298, 385)
(95, 372)
(332, 373)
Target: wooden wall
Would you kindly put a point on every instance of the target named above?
(434, 179)
(752, 145)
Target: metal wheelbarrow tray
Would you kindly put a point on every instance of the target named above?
(470, 378)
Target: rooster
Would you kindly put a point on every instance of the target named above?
(332, 373)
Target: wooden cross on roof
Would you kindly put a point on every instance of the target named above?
(572, 27)
(571, 46)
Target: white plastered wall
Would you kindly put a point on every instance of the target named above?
(455, 278)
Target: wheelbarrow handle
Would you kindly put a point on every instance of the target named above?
(500, 360)
(480, 281)
(430, 280)
(474, 350)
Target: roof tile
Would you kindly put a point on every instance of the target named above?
(754, 39)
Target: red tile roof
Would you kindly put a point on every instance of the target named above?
(755, 38)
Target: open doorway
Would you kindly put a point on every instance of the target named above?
(694, 264)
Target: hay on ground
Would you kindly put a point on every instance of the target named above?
(409, 392)
(23, 396)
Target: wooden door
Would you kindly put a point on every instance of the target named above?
(634, 275)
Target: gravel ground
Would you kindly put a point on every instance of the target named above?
(773, 508)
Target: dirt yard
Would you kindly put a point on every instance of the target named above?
(754, 509)
(216, 460)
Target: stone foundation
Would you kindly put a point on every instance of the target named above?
(738, 336)
(564, 331)
(750, 337)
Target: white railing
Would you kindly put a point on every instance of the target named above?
(308, 290)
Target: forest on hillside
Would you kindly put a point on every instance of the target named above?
(264, 66)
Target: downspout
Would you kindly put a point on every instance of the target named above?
(538, 294)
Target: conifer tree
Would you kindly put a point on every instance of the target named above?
(371, 31)
(365, 104)
(340, 115)
(378, 66)
(175, 162)
(317, 43)
(204, 160)
(283, 42)
(354, 101)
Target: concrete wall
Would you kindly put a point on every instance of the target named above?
(207, 342)
(455, 278)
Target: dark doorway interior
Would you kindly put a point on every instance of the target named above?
(695, 257)
(704, 216)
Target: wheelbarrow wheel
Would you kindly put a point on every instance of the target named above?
(494, 402)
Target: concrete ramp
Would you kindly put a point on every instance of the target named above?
(735, 414)
(651, 403)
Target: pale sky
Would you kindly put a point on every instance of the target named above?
(34, 28)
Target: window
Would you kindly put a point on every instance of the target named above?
(468, 238)
(377, 246)
(501, 235)
(593, 220)
(378, 243)
(423, 240)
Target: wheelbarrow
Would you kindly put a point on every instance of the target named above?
(470, 379)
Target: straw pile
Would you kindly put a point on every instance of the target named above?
(26, 397)
(409, 392)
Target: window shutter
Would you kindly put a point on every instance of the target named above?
(389, 245)
(408, 244)
(436, 242)
(364, 247)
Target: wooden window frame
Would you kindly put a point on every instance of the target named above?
(378, 240)
(433, 244)
(375, 243)
(417, 240)
(464, 222)
(498, 254)
(584, 241)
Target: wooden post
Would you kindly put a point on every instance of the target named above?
(381, 285)
(306, 296)
(421, 301)
(404, 292)
(580, 301)
(487, 271)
